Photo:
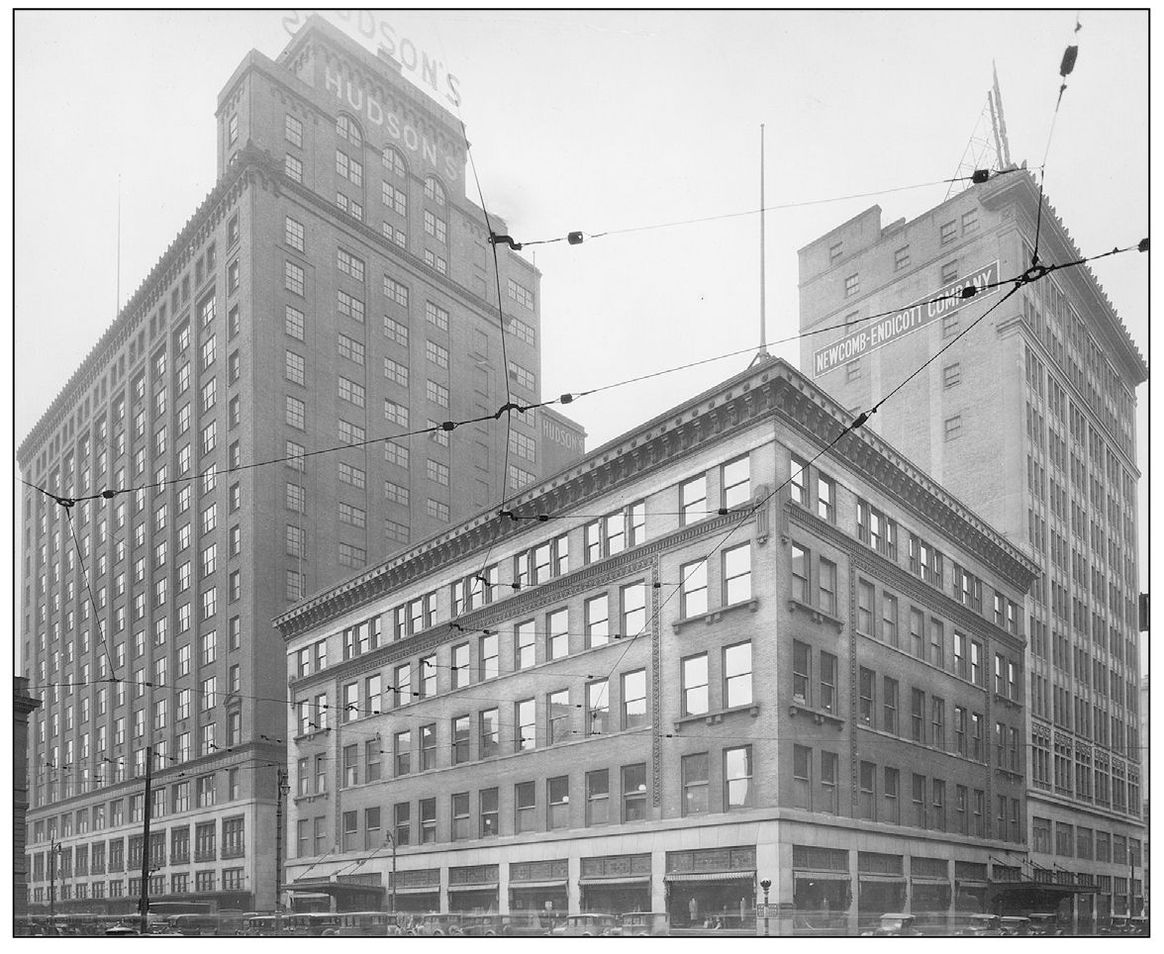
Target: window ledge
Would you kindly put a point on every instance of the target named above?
(714, 616)
(309, 736)
(714, 718)
(816, 615)
(1007, 701)
(308, 799)
(819, 716)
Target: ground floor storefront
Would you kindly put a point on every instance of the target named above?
(823, 878)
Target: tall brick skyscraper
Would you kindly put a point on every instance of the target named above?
(336, 287)
(1030, 419)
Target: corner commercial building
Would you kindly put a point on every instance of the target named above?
(333, 291)
(1029, 418)
(738, 643)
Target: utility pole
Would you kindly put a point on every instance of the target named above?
(392, 842)
(144, 904)
(54, 847)
(284, 788)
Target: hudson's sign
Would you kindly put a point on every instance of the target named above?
(882, 331)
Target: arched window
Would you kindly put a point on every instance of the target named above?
(434, 190)
(394, 162)
(347, 128)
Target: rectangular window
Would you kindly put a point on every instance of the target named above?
(525, 806)
(597, 707)
(634, 696)
(693, 589)
(695, 784)
(597, 797)
(694, 670)
(692, 500)
(737, 574)
(737, 675)
(736, 477)
(737, 777)
(558, 798)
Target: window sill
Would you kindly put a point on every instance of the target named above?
(714, 718)
(819, 716)
(816, 615)
(714, 616)
(309, 736)
(308, 799)
(1007, 701)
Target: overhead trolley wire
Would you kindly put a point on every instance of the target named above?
(569, 397)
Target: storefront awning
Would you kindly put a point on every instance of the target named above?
(417, 889)
(923, 879)
(521, 885)
(968, 883)
(890, 878)
(613, 882)
(492, 886)
(821, 875)
(748, 875)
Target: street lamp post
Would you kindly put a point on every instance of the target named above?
(54, 850)
(284, 789)
(766, 885)
(392, 841)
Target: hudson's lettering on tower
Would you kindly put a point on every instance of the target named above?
(885, 330)
(356, 98)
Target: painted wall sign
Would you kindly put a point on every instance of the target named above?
(352, 96)
(368, 24)
(883, 331)
(553, 431)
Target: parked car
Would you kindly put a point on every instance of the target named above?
(895, 925)
(504, 925)
(1046, 925)
(586, 925)
(644, 924)
(1014, 927)
(437, 925)
(982, 925)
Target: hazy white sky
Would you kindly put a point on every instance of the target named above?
(592, 121)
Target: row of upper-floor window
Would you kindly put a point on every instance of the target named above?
(605, 616)
(120, 854)
(948, 233)
(814, 490)
(1094, 720)
(203, 882)
(817, 786)
(173, 798)
(1085, 843)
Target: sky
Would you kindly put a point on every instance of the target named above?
(595, 121)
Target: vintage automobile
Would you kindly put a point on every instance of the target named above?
(895, 925)
(1014, 927)
(363, 924)
(586, 925)
(644, 924)
(504, 925)
(437, 925)
(982, 925)
(1045, 925)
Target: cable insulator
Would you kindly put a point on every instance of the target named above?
(1143, 246)
(980, 176)
(1068, 62)
(575, 238)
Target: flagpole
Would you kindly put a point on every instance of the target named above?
(763, 260)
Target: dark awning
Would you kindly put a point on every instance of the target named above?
(742, 875)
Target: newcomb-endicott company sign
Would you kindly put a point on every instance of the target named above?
(882, 331)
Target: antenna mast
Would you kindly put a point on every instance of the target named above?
(763, 351)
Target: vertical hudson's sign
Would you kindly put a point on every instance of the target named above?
(882, 331)
(416, 141)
